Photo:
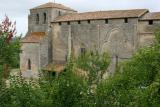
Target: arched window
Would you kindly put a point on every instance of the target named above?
(29, 64)
(45, 18)
(59, 13)
(37, 18)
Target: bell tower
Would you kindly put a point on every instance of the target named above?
(41, 16)
(37, 44)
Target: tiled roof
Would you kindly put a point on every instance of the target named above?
(54, 68)
(102, 15)
(53, 5)
(34, 37)
(151, 16)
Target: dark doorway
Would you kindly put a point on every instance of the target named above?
(83, 51)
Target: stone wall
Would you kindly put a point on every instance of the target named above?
(40, 54)
(146, 32)
(113, 36)
(41, 26)
(51, 15)
(30, 51)
(59, 43)
(45, 52)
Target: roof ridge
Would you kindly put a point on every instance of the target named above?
(111, 11)
(154, 12)
(53, 5)
(151, 16)
(33, 37)
(111, 14)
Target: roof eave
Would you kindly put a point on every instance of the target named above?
(146, 11)
(149, 19)
(92, 19)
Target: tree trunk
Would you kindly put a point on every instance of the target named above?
(5, 71)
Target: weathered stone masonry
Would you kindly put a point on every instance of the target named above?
(119, 32)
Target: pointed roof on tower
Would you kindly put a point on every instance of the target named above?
(53, 5)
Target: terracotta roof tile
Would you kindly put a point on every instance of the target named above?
(54, 68)
(151, 16)
(53, 5)
(34, 37)
(102, 15)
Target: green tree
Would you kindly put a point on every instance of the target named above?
(94, 64)
(9, 48)
(67, 90)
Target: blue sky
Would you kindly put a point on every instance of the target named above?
(18, 10)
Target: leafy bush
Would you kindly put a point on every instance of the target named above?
(94, 64)
(157, 35)
(70, 89)
(9, 46)
(20, 93)
(137, 85)
(134, 86)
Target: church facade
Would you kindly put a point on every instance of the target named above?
(55, 31)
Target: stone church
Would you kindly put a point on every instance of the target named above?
(55, 31)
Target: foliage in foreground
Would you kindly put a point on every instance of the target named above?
(136, 84)
(9, 47)
(68, 90)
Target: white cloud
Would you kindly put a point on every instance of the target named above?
(19, 9)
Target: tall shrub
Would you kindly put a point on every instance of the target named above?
(9, 49)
